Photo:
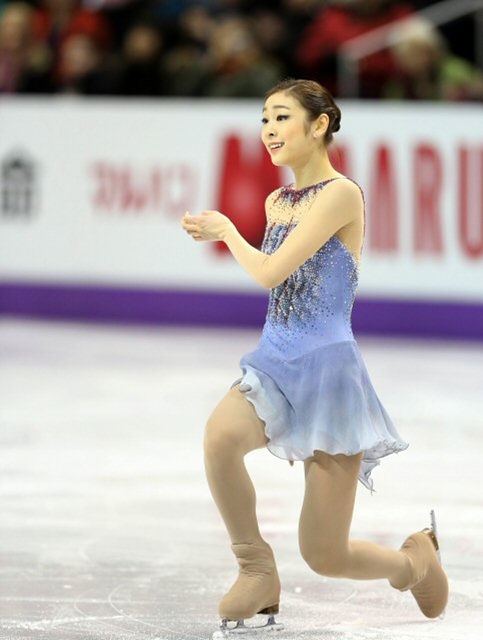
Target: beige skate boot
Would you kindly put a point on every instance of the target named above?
(428, 584)
(257, 588)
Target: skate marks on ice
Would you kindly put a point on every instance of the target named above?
(108, 531)
(101, 589)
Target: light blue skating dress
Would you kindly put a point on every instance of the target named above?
(306, 378)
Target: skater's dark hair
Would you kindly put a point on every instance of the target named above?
(315, 99)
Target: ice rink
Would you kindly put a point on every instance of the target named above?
(108, 529)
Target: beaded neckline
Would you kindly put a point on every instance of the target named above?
(290, 187)
(294, 196)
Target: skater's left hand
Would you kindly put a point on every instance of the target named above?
(290, 463)
(210, 225)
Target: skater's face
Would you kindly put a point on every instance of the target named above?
(286, 132)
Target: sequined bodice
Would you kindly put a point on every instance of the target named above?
(313, 306)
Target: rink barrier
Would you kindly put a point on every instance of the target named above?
(389, 317)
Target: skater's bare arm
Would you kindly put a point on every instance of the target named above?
(251, 259)
(335, 206)
(213, 225)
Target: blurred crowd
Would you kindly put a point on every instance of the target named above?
(224, 48)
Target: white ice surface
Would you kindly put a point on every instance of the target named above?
(108, 530)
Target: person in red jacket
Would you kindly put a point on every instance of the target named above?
(338, 23)
(57, 20)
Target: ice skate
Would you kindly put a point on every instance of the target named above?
(429, 584)
(239, 627)
(256, 591)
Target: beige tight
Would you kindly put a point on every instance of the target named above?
(233, 430)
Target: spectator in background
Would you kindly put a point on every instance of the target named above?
(297, 16)
(271, 32)
(240, 68)
(169, 12)
(338, 23)
(58, 20)
(427, 70)
(121, 16)
(141, 72)
(188, 64)
(24, 64)
(83, 69)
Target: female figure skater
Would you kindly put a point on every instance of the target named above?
(305, 392)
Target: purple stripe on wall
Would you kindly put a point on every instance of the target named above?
(163, 306)
(418, 318)
(124, 305)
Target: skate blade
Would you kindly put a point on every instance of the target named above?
(229, 628)
(434, 529)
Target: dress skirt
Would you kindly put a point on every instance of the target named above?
(320, 401)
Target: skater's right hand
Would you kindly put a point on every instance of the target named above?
(290, 463)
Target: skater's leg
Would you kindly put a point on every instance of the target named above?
(330, 488)
(325, 520)
(233, 430)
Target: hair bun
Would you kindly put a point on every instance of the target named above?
(336, 123)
